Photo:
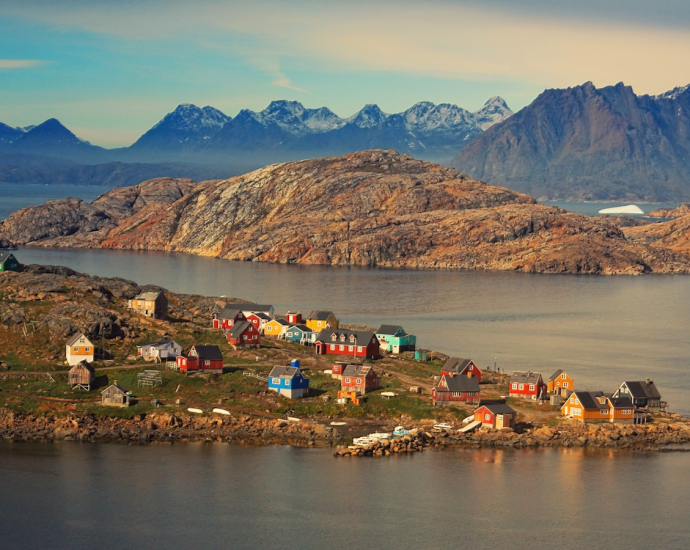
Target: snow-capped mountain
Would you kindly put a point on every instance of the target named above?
(673, 94)
(495, 110)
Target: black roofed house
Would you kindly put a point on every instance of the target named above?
(201, 358)
(266, 309)
(455, 365)
(152, 304)
(593, 406)
(643, 394)
(527, 385)
(319, 319)
(82, 375)
(228, 316)
(359, 379)
(8, 262)
(495, 415)
(453, 388)
(244, 335)
(394, 339)
(115, 396)
(356, 343)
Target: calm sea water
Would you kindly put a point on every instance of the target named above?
(225, 496)
(14, 196)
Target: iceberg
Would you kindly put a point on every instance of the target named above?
(630, 209)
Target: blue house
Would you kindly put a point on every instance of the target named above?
(288, 381)
(301, 334)
(394, 339)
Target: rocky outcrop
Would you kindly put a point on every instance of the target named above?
(374, 208)
(673, 235)
(5, 244)
(677, 212)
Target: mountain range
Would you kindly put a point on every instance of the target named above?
(588, 143)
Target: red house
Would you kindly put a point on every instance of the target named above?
(293, 317)
(357, 343)
(454, 388)
(201, 358)
(227, 317)
(244, 335)
(528, 385)
(495, 415)
(360, 379)
(258, 319)
(467, 367)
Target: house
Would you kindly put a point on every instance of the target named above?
(259, 320)
(201, 358)
(301, 334)
(115, 396)
(293, 317)
(455, 388)
(454, 365)
(394, 339)
(495, 415)
(162, 350)
(590, 406)
(357, 343)
(351, 396)
(560, 383)
(266, 309)
(319, 320)
(528, 385)
(288, 381)
(276, 328)
(79, 348)
(151, 304)
(244, 335)
(642, 394)
(82, 375)
(359, 379)
(8, 262)
(339, 367)
(227, 317)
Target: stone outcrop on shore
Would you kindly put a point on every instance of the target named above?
(372, 208)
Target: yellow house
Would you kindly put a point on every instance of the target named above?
(560, 383)
(319, 320)
(79, 348)
(276, 328)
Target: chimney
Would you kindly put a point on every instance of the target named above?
(648, 381)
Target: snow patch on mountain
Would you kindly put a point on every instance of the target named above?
(673, 94)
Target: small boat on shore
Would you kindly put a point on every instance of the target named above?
(338, 423)
(378, 436)
(400, 431)
(221, 411)
(362, 441)
(293, 419)
(195, 411)
(443, 426)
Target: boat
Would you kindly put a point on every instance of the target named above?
(221, 411)
(195, 411)
(378, 436)
(338, 423)
(442, 426)
(400, 431)
(362, 441)
(293, 419)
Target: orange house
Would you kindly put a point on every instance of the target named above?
(590, 406)
(560, 383)
(276, 328)
(79, 348)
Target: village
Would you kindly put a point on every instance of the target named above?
(336, 374)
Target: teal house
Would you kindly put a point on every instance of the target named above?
(394, 339)
(301, 334)
(8, 262)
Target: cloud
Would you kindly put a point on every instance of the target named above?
(280, 79)
(20, 63)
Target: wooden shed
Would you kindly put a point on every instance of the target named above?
(115, 396)
(82, 375)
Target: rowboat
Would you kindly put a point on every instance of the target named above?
(362, 441)
(293, 419)
(443, 426)
(195, 411)
(221, 411)
(338, 423)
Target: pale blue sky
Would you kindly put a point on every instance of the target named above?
(110, 70)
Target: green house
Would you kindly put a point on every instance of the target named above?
(394, 339)
(8, 262)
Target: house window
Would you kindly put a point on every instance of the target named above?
(572, 399)
(76, 348)
(359, 380)
(347, 380)
(276, 381)
(287, 382)
(576, 412)
(604, 411)
(565, 384)
(341, 348)
(456, 394)
(87, 349)
(563, 376)
(471, 367)
(359, 349)
(318, 323)
(487, 416)
(349, 348)
(332, 347)
(531, 387)
(522, 386)
(514, 386)
(342, 337)
(207, 362)
(626, 411)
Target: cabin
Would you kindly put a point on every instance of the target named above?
(301, 334)
(643, 394)
(8, 262)
(226, 318)
(79, 348)
(82, 375)
(495, 415)
(467, 367)
(266, 309)
(259, 320)
(455, 388)
(294, 318)
(394, 339)
(321, 319)
(150, 304)
(115, 396)
(350, 396)
(593, 406)
(359, 379)
(276, 328)
(560, 383)
(244, 335)
(288, 381)
(201, 359)
(357, 343)
(528, 385)
(161, 350)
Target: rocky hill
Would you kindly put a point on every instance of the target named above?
(676, 212)
(584, 143)
(672, 235)
(373, 208)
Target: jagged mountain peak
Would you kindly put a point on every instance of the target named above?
(369, 116)
(675, 93)
(189, 117)
(495, 110)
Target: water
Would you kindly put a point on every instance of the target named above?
(592, 208)
(14, 196)
(225, 496)
(601, 330)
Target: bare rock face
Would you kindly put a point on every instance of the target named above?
(673, 235)
(373, 208)
(677, 212)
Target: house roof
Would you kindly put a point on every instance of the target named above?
(621, 402)
(282, 322)
(116, 386)
(459, 383)
(320, 315)
(302, 327)
(358, 370)
(84, 364)
(644, 389)
(555, 375)
(260, 315)
(211, 353)
(525, 377)
(4, 256)
(239, 327)
(499, 408)
(148, 295)
(390, 330)
(362, 337)
(229, 312)
(455, 364)
(589, 401)
(257, 307)
(158, 344)
(76, 337)
(284, 372)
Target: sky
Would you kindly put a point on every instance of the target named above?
(109, 70)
